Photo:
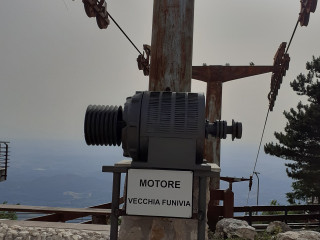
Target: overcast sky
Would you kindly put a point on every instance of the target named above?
(55, 61)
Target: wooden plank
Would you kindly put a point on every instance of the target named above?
(67, 217)
(278, 208)
(108, 205)
(55, 217)
(59, 210)
(121, 169)
(269, 218)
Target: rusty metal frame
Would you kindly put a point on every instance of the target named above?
(214, 76)
(307, 7)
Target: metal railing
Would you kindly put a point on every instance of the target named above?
(4, 160)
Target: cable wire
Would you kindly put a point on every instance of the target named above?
(264, 127)
(255, 164)
(265, 122)
(294, 31)
(124, 33)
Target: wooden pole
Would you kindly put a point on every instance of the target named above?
(171, 46)
(170, 70)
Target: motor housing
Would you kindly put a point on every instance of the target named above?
(157, 129)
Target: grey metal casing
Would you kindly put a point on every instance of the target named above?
(164, 129)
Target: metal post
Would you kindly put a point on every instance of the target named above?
(258, 187)
(115, 206)
(285, 214)
(250, 216)
(202, 208)
(6, 162)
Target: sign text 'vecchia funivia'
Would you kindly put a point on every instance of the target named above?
(159, 193)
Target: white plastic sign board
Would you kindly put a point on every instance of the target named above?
(165, 193)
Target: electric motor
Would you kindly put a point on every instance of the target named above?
(156, 126)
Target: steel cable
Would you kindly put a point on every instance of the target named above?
(124, 33)
(255, 164)
(294, 31)
(265, 122)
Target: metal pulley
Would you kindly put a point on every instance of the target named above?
(103, 125)
(98, 9)
(219, 129)
(144, 61)
(281, 65)
(88, 8)
(307, 7)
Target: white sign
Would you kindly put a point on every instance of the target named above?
(165, 193)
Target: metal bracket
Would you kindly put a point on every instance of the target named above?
(281, 65)
(144, 62)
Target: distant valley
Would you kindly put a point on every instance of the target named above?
(68, 174)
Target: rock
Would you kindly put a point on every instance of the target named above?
(2, 236)
(15, 232)
(278, 227)
(299, 235)
(24, 234)
(76, 237)
(229, 227)
(15, 227)
(35, 233)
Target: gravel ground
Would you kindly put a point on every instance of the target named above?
(15, 232)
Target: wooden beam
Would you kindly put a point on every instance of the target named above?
(55, 217)
(58, 210)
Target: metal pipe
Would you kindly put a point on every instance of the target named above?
(202, 208)
(258, 187)
(115, 206)
(6, 162)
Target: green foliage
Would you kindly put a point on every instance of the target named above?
(273, 203)
(264, 236)
(300, 141)
(8, 215)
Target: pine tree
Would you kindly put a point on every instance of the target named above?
(300, 141)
